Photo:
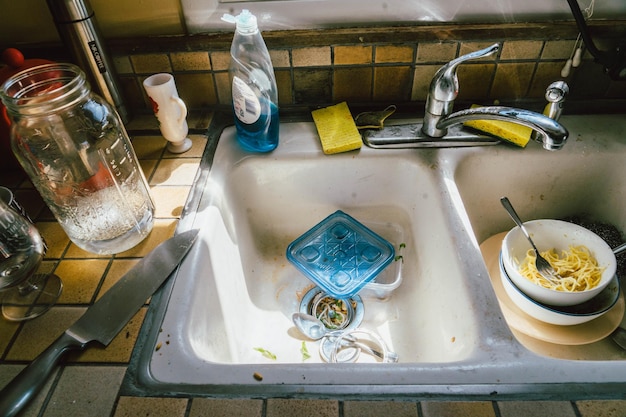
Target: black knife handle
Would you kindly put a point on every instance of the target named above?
(27, 383)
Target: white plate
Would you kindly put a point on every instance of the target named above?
(578, 334)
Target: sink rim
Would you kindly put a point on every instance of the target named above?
(450, 381)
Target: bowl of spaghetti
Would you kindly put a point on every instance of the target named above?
(585, 262)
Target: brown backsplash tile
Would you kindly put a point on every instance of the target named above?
(312, 85)
(436, 52)
(377, 68)
(392, 84)
(352, 54)
(190, 61)
(311, 57)
(516, 50)
(151, 63)
(512, 80)
(352, 84)
(394, 53)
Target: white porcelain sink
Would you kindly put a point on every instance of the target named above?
(236, 291)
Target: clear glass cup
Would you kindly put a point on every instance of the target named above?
(25, 292)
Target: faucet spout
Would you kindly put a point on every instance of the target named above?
(550, 133)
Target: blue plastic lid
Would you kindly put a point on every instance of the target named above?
(340, 255)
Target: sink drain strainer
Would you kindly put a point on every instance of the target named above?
(336, 314)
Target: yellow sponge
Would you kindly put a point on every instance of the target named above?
(511, 132)
(337, 130)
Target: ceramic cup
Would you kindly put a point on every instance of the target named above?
(170, 111)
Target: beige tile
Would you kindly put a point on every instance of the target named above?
(38, 334)
(148, 166)
(439, 52)
(220, 61)
(85, 391)
(394, 53)
(163, 229)
(55, 237)
(7, 330)
(546, 74)
(379, 408)
(149, 147)
(196, 90)
(190, 61)
(198, 143)
(181, 171)
(352, 54)
(280, 58)
(558, 49)
(278, 407)
(422, 76)
(475, 81)
(169, 201)
(33, 407)
(536, 408)
(153, 407)
(122, 64)
(456, 409)
(521, 50)
(512, 80)
(117, 269)
(311, 57)
(80, 279)
(283, 83)
(151, 63)
(202, 407)
(224, 92)
(602, 408)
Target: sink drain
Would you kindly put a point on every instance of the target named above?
(334, 313)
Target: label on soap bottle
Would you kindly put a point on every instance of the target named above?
(245, 102)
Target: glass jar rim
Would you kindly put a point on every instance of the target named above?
(44, 88)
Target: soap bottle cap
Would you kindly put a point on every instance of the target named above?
(246, 22)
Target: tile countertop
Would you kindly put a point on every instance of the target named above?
(87, 384)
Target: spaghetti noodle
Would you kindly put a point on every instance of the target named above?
(577, 266)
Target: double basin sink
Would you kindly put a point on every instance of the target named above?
(211, 329)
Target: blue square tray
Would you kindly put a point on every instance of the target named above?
(340, 255)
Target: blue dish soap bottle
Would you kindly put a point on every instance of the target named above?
(255, 95)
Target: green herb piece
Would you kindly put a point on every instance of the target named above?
(399, 258)
(402, 245)
(266, 353)
(305, 352)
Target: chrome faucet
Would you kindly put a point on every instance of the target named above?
(443, 91)
(438, 117)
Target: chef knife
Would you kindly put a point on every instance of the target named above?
(102, 321)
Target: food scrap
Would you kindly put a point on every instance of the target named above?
(305, 352)
(265, 353)
(257, 376)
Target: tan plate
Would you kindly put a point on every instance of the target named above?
(578, 334)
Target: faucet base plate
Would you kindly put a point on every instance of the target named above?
(408, 136)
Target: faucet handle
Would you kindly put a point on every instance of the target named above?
(445, 84)
(443, 91)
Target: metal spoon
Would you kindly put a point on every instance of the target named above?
(313, 328)
(543, 266)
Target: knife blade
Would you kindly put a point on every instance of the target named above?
(102, 321)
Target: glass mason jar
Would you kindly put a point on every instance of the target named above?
(73, 146)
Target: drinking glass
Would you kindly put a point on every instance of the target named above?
(25, 292)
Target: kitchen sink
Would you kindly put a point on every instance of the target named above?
(222, 325)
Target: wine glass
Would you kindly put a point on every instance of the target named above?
(25, 293)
